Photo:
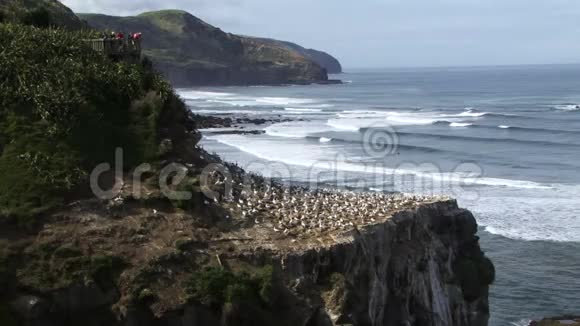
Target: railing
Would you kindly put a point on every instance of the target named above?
(116, 47)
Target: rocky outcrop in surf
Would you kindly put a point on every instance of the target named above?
(556, 321)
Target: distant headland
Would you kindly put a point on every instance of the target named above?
(191, 52)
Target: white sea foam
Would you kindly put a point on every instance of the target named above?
(523, 322)
(349, 114)
(296, 129)
(531, 215)
(355, 119)
(343, 124)
(302, 110)
(226, 111)
(325, 140)
(472, 113)
(567, 107)
(460, 124)
(278, 132)
(238, 102)
(196, 97)
(321, 106)
(518, 209)
(504, 127)
(293, 153)
(283, 100)
(210, 130)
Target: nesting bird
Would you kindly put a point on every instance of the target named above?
(301, 211)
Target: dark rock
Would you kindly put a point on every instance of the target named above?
(30, 307)
(570, 320)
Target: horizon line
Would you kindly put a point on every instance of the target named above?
(345, 68)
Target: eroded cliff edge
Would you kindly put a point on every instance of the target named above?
(420, 266)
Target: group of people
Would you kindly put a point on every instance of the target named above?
(121, 36)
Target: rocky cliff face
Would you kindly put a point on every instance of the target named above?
(422, 266)
(406, 271)
(192, 52)
(330, 63)
(325, 60)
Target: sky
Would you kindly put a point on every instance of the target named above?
(392, 33)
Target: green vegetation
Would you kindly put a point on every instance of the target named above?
(39, 17)
(6, 318)
(189, 50)
(40, 13)
(183, 244)
(146, 295)
(63, 110)
(176, 37)
(216, 286)
(191, 185)
(57, 267)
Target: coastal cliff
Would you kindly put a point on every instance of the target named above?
(190, 52)
(141, 257)
(422, 266)
(325, 60)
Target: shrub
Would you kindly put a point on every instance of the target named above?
(209, 286)
(39, 17)
(103, 268)
(64, 108)
(215, 286)
(146, 295)
(266, 284)
(67, 251)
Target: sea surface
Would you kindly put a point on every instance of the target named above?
(505, 141)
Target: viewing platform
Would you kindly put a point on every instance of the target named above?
(117, 49)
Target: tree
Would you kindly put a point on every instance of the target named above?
(39, 17)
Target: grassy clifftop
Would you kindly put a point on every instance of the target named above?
(190, 51)
(173, 36)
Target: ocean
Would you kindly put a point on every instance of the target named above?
(504, 141)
